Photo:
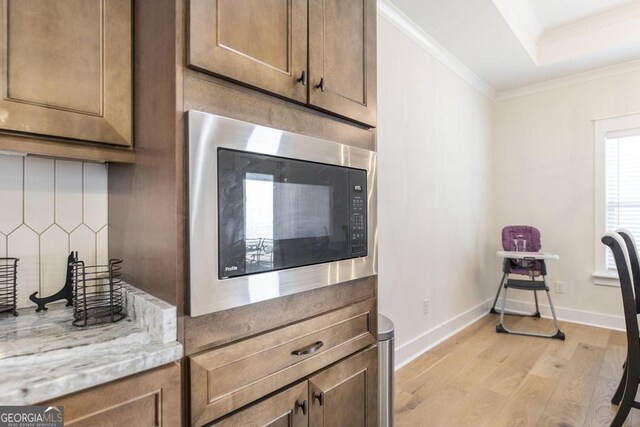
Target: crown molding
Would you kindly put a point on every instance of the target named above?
(617, 27)
(523, 22)
(614, 70)
(586, 25)
(388, 11)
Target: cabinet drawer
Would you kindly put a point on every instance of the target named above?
(227, 378)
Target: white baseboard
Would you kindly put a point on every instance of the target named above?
(429, 339)
(589, 318)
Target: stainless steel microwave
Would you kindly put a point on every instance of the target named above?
(273, 213)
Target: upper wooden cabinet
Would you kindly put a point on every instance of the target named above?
(66, 69)
(258, 42)
(318, 52)
(342, 57)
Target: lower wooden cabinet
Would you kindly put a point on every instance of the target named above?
(288, 408)
(345, 394)
(227, 378)
(148, 399)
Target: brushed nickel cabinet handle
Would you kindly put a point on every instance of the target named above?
(321, 85)
(302, 406)
(309, 349)
(303, 78)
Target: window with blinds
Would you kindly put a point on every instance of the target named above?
(622, 188)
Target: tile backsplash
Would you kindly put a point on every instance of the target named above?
(47, 209)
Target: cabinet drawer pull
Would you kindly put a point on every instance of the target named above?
(302, 406)
(321, 85)
(320, 397)
(302, 79)
(309, 349)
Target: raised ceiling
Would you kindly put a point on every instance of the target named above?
(515, 43)
(556, 13)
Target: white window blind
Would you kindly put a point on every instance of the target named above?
(622, 188)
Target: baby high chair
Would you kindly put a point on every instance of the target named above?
(522, 257)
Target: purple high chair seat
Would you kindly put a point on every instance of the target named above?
(522, 238)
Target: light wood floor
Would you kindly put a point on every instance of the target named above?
(481, 378)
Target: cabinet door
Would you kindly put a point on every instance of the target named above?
(342, 58)
(346, 393)
(262, 43)
(66, 69)
(147, 399)
(288, 408)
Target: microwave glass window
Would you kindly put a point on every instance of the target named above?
(277, 213)
(258, 221)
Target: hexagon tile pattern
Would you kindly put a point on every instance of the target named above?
(48, 208)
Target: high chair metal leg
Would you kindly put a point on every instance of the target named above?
(493, 307)
(500, 328)
(535, 297)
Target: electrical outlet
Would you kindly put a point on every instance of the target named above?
(560, 287)
(425, 307)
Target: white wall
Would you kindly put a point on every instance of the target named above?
(434, 194)
(544, 166)
(47, 209)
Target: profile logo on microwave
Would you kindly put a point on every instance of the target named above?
(231, 268)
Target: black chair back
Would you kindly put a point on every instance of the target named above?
(635, 263)
(626, 393)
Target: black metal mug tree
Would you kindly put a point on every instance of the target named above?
(95, 292)
(65, 293)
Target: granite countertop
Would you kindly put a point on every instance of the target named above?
(43, 356)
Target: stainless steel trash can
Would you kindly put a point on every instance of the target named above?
(385, 369)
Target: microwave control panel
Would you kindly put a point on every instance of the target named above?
(358, 218)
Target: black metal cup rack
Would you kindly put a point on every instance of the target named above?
(97, 293)
(8, 282)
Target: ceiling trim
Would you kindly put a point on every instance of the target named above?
(523, 22)
(393, 15)
(610, 28)
(614, 70)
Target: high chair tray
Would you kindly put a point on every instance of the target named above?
(530, 255)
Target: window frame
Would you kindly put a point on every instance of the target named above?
(612, 127)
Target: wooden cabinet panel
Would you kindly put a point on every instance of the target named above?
(32, 51)
(227, 378)
(342, 57)
(66, 69)
(142, 411)
(262, 43)
(346, 393)
(284, 409)
(147, 399)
